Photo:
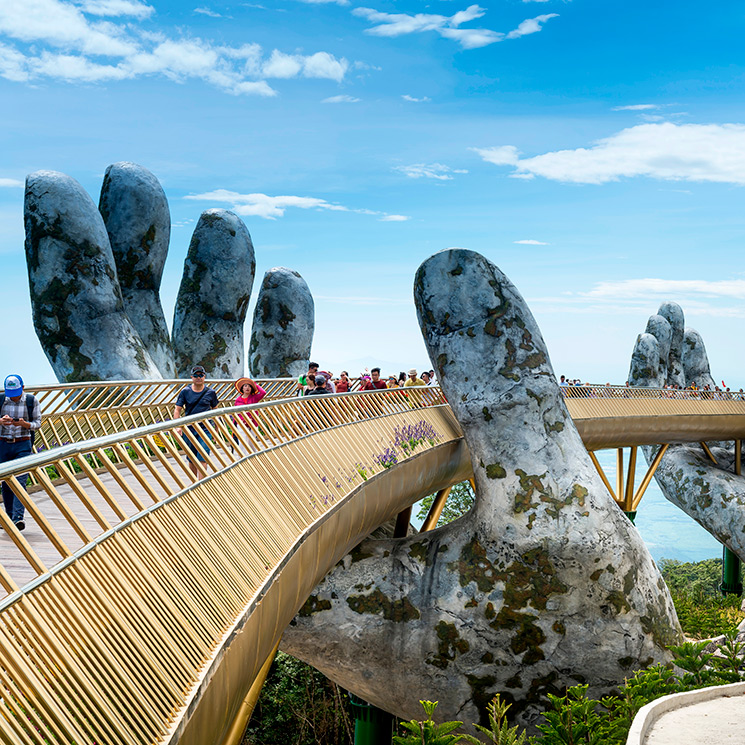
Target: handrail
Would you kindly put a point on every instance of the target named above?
(127, 471)
(153, 631)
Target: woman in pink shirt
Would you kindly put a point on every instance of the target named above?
(250, 393)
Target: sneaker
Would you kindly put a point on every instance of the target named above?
(20, 525)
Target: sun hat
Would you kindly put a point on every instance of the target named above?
(241, 382)
(412, 371)
(13, 386)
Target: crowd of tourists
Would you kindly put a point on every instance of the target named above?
(317, 382)
(575, 388)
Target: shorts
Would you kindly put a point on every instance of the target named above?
(201, 442)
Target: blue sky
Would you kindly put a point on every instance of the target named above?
(595, 153)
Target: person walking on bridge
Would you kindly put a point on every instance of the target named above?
(20, 417)
(194, 399)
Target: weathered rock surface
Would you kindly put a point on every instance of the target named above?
(711, 494)
(283, 324)
(696, 361)
(543, 584)
(213, 296)
(135, 211)
(673, 314)
(662, 332)
(77, 305)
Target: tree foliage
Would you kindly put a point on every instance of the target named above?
(459, 501)
(299, 706)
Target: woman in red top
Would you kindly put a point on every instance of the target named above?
(342, 385)
(250, 393)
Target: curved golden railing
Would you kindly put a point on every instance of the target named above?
(607, 416)
(157, 596)
(74, 412)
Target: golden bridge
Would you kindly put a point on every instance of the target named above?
(143, 601)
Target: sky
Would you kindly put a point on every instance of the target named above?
(595, 153)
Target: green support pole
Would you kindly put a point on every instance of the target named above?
(731, 581)
(631, 516)
(372, 726)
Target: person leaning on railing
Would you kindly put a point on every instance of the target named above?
(16, 438)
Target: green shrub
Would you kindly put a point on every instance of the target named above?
(702, 610)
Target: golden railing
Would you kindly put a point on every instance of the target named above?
(74, 412)
(147, 596)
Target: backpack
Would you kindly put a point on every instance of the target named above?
(30, 403)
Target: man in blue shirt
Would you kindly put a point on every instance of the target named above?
(15, 438)
(194, 399)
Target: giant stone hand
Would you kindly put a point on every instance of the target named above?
(711, 494)
(94, 277)
(543, 584)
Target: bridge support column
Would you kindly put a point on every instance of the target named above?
(372, 726)
(438, 504)
(731, 571)
(629, 499)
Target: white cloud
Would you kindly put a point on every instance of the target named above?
(117, 8)
(674, 152)
(531, 242)
(531, 25)
(325, 2)
(340, 99)
(397, 24)
(270, 208)
(504, 155)
(449, 27)
(325, 65)
(423, 99)
(262, 205)
(636, 107)
(11, 182)
(63, 43)
(62, 25)
(429, 170)
(643, 288)
(208, 12)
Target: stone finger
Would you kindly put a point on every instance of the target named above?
(213, 297)
(77, 304)
(135, 211)
(283, 324)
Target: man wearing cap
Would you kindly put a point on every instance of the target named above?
(15, 438)
(195, 399)
(413, 379)
(320, 388)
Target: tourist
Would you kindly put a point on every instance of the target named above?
(342, 385)
(320, 387)
(413, 379)
(305, 382)
(20, 417)
(250, 392)
(195, 399)
(392, 382)
(374, 382)
(330, 387)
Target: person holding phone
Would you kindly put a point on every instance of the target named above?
(20, 417)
